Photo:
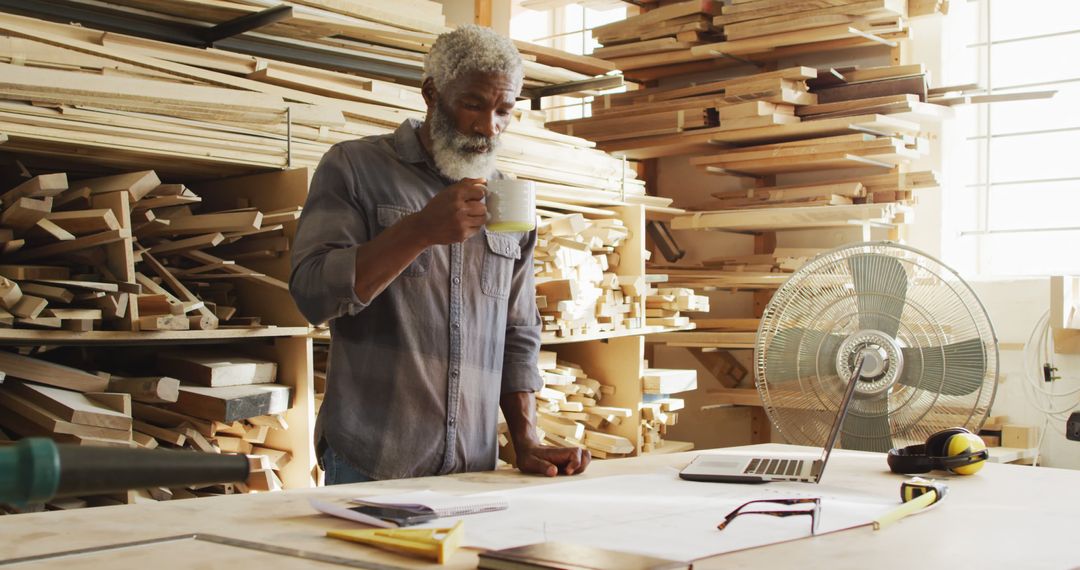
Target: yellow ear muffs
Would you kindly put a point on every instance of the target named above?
(966, 445)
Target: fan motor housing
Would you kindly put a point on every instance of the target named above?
(882, 361)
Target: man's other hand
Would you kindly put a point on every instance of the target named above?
(455, 214)
(552, 461)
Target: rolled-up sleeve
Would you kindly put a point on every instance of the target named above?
(519, 372)
(332, 225)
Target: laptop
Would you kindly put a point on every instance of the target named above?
(763, 467)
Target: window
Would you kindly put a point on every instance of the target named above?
(1016, 200)
(565, 25)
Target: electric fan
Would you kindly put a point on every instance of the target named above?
(929, 353)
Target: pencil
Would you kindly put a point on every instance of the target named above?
(912, 506)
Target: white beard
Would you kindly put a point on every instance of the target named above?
(450, 149)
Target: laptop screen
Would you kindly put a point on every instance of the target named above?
(842, 412)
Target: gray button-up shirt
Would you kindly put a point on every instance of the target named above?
(415, 376)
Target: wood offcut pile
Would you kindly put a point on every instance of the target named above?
(207, 400)
(570, 410)
(105, 100)
(126, 252)
(578, 290)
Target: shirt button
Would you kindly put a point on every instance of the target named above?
(453, 421)
(455, 326)
(453, 373)
(508, 250)
(457, 280)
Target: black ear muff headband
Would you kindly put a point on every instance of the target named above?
(926, 457)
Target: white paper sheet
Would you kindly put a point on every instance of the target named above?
(661, 515)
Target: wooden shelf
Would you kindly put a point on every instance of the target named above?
(616, 334)
(706, 339)
(773, 219)
(671, 446)
(36, 337)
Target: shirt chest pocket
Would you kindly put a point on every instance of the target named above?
(389, 215)
(500, 254)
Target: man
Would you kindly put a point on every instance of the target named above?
(434, 320)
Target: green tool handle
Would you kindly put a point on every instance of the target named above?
(35, 470)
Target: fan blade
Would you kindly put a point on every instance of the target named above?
(866, 426)
(795, 353)
(952, 370)
(880, 288)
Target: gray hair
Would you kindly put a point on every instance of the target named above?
(471, 49)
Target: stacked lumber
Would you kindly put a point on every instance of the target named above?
(366, 30)
(187, 110)
(675, 27)
(828, 153)
(207, 401)
(570, 411)
(577, 289)
(666, 306)
(709, 279)
(781, 260)
(758, 31)
(126, 252)
(710, 107)
(867, 89)
(800, 217)
(894, 186)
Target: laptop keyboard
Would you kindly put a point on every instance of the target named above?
(789, 467)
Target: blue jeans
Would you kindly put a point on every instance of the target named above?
(339, 471)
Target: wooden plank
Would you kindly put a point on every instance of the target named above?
(24, 213)
(28, 307)
(58, 375)
(232, 403)
(810, 217)
(140, 95)
(71, 246)
(210, 368)
(158, 304)
(46, 423)
(72, 406)
(197, 242)
(211, 223)
(856, 75)
(37, 187)
(164, 323)
(45, 230)
(914, 85)
(149, 389)
(83, 222)
(136, 184)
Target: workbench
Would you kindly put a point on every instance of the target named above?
(1005, 516)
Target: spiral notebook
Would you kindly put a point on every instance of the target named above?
(442, 504)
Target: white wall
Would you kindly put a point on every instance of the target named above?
(1015, 306)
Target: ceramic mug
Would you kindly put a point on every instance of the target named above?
(511, 205)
